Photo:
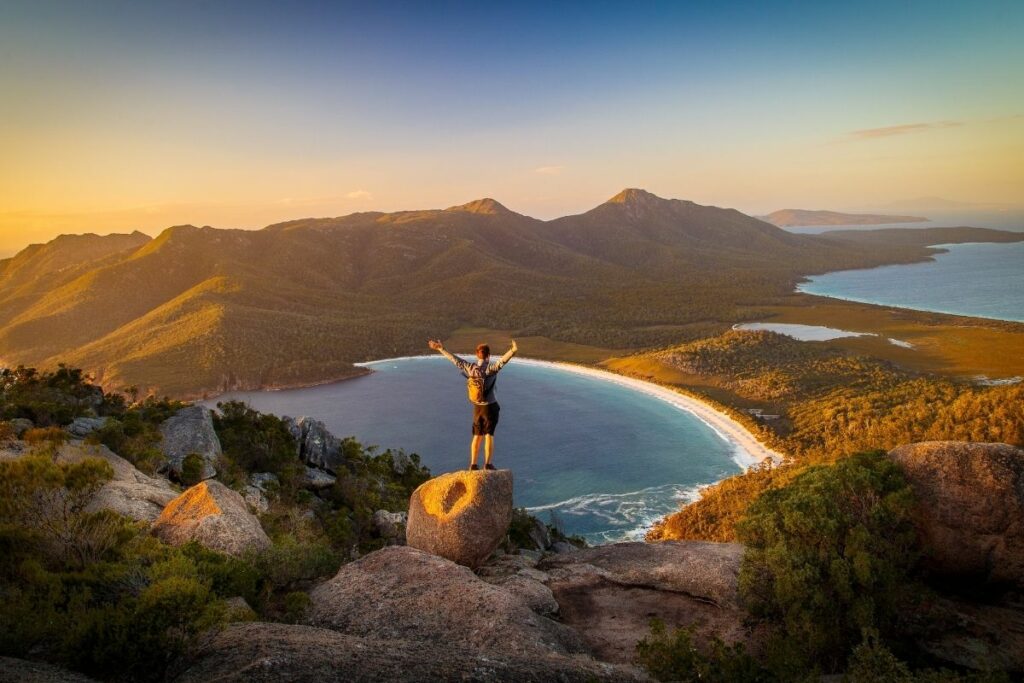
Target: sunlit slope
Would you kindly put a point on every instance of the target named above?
(40, 268)
(200, 309)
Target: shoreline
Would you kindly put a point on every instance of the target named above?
(940, 249)
(747, 450)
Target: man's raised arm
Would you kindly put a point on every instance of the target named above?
(504, 359)
(462, 365)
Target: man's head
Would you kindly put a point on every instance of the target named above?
(483, 351)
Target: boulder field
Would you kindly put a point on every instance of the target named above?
(450, 606)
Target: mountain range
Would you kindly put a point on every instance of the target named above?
(198, 310)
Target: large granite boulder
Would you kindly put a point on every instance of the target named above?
(462, 516)
(130, 492)
(970, 506)
(400, 593)
(214, 516)
(24, 671)
(189, 431)
(316, 445)
(609, 594)
(267, 653)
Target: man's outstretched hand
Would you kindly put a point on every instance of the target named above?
(435, 344)
(514, 347)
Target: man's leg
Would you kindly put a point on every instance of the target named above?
(474, 448)
(488, 449)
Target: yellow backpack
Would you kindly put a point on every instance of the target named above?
(476, 385)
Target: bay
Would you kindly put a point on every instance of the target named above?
(598, 458)
(983, 280)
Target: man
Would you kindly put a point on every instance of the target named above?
(480, 379)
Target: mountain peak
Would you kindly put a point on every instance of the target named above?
(482, 206)
(634, 196)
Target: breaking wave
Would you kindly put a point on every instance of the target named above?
(617, 517)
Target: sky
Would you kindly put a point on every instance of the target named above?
(140, 115)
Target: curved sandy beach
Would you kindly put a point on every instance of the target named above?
(747, 450)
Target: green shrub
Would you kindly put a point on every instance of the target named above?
(256, 442)
(192, 469)
(48, 501)
(520, 527)
(829, 555)
(134, 438)
(873, 662)
(673, 656)
(93, 590)
(295, 605)
(290, 564)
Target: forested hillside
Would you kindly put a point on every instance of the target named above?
(200, 310)
(824, 404)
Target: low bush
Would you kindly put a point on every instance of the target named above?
(192, 467)
(829, 555)
(673, 656)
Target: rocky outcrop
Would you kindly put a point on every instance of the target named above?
(609, 594)
(257, 493)
(189, 431)
(970, 509)
(20, 425)
(82, 427)
(266, 653)
(400, 593)
(130, 492)
(969, 634)
(214, 516)
(390, 525)
(316, 445)
(316, 480)
(23, 671)
(462, 516)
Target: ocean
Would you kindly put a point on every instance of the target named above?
(601, 460)
(977, 279)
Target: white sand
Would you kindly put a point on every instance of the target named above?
(747, 450)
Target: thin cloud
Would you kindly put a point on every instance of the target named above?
(904, 129)
(549, 170)
(359, 194)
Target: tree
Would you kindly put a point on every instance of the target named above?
(831, 554)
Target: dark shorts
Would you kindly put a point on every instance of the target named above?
(485, 419)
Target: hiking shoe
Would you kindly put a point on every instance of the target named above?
(489, 466)
(474, 467)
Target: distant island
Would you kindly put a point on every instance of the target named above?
(795, 218)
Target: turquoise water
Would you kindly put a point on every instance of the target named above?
(605, 459)
(981, 280)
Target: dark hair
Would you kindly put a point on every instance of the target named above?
(483, 351)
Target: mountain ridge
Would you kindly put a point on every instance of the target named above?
(199, 309)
